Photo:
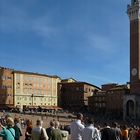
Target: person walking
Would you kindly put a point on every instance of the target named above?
(138, 133)
(28, 130)
(18, 130)
(133, 133)
(49, 129)
(116, 131)
(8, 132)
(76, 128)
(106, 132)
(124, 132)
(90, 132)
(39, 133)
(56, 133)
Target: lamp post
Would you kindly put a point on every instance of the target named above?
(32, 98)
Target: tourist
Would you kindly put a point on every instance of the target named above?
(124, 132)
(23, 123)
(76, 128)
(116, 131)
(49, 130)
(39, 132)
(28, 130)
(133, 133)
(56, 133)
(18, 130)
(8, 132)
(90, 132)
(106, 132)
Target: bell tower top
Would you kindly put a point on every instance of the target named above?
(133, 2)
(133, 10)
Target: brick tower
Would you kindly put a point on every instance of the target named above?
(131, 101)
(133, 11)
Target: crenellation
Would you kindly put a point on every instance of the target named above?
(133, 11)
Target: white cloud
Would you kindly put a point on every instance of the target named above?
(15, 19)
(101, 43)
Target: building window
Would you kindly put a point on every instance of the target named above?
(9, 78)
(103, 104)
(3, 78)
(77, 88)
(86, 90)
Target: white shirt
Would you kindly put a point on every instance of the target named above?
(76, 130)
(36, 133)
(90, 133)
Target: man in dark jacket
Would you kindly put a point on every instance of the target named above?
(106, 133)
(49, 130)
(116, 131)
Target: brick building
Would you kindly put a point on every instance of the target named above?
(20, 89)
(114, 99)
(6, 88)
(97, 103)
(109, 101)
(33, 89)
(74, 95)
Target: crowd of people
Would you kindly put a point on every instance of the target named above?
(82, 128)
(86, 130)
(11, 129)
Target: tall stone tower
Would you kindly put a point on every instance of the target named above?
(133, 11)
(131, 102)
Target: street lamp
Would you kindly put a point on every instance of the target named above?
(32, 98)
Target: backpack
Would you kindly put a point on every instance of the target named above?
(18, 133)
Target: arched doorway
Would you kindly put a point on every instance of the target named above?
(130, 108)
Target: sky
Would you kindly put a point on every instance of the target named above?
(87, 40)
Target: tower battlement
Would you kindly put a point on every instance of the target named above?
(133, 10)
